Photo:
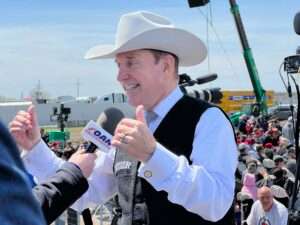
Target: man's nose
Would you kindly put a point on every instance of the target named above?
(122, 74)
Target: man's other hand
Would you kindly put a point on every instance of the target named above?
(25, 128)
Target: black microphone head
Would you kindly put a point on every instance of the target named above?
(110, 118)
(206, 78)
(297, 23)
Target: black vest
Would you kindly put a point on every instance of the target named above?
(139, 203)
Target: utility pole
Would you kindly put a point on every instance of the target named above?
(38, 94)
(77, 87)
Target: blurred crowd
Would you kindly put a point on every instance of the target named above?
(267, 157)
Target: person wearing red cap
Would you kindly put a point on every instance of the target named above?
(272, 137)
(268, 145)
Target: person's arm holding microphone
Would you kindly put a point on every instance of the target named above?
(67, 180)
(68, 184)
(42, 163)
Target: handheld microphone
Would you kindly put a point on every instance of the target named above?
(297, 23)
(100, 133)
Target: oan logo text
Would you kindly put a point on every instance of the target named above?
(99, 136)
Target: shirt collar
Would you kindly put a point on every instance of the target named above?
(164, 106)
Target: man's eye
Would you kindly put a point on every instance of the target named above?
(131, 63)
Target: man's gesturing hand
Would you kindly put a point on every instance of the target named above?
(134, 137)
(25, 129)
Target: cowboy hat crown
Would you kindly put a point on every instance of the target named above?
(146, 30)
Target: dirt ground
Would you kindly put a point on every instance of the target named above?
(75, 134)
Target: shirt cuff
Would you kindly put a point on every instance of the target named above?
(36, 151)
(159, 167)
(41, 158)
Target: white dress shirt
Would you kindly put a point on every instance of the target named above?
(206, 187)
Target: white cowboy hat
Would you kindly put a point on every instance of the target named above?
(145, 30)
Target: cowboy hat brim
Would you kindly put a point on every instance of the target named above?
(189, 49)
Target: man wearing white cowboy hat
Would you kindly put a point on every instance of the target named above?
(176, 160)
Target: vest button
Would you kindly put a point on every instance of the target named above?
(148, 174)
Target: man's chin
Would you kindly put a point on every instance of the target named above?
(133, 102)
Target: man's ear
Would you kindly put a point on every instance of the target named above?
(169, 63)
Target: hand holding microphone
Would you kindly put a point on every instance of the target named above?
(85, 161)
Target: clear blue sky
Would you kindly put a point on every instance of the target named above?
(46, 39)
